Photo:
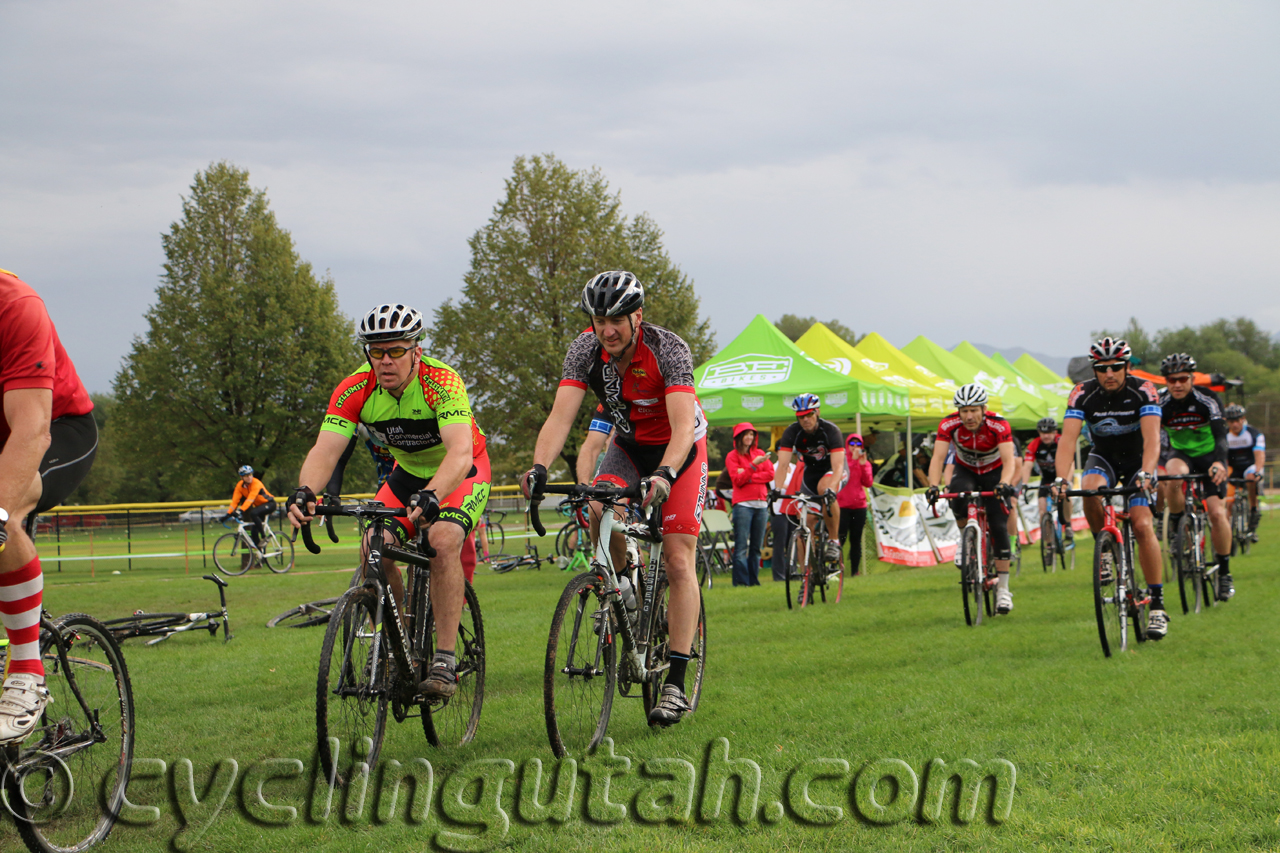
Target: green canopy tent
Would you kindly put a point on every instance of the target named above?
(926, 401)
(1034, 370)
(1057, 402)
(1016, 391)
(962, 372)
(755, 377)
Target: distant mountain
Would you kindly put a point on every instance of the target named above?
(1058, 364)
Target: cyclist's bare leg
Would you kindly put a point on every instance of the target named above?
(1219, 524)
(483, 536)
(20, 550)
(1144, 531)
(830, 513)
(1093, 512)
(1173, 490)
(617, 542)
(678, 551)
(447, 581)
(1253, 479)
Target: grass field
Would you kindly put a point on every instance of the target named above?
(1172, 746)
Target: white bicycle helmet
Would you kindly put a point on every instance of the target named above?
(390, 322)
(612, 294)
(972, 394)
(244, 469)
(1110, 349)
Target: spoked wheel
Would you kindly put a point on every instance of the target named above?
(231, 556)
(657, 658)
(1107, 560)
(497, 538)
(581, 668)
(795, 574)
(66, 782)
(279, 556)
(351, 694)
(305, 615)
(1139, 607)
(454, 721)
(1191, 580)
(970, 581)
(1048, 539)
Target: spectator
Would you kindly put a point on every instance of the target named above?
(751, 472)
(853, 502)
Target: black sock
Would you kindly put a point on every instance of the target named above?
(1223, 566)
(1157, 596)
(675, 674)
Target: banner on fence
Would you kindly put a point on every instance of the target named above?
(907, 533)
(1029, 512)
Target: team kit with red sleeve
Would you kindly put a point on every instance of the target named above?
(635, 403)
(978, 468)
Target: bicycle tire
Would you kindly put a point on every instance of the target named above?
(228, 555)
(1048, 539)
(970, 584)
(657, 655)
(497, 538)
(1240, 539)
(350, 705)
(704, 565)
(790, 570)
(305, 615)
(454, 721)
(578, 679)
(1191, 541)
(276, 562)
(50, 818)
(1106, 596)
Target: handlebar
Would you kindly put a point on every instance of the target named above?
(364, 511)
(608, 495)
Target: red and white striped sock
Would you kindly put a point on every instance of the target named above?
(21, 593)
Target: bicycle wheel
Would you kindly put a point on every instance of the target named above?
(304, 615)
(970, 584)
(229, 554)
(1139, 603)
(497, 538)
(657, 658)
(1191, 543)
(351, 693)
(1048, 538)
(704, 565)
(1240, 539)
(1107, 595)
(278, 554)
(793, 571)
(68, 782)
(567, 540)
(453, 722)
(581, 668)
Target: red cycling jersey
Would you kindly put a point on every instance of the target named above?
(978, 451)
(31, 356)
(636, 402)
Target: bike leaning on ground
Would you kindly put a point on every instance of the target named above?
(609, 631)
(162, 626)
(374, 655)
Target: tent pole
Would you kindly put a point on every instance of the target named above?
(857, 422)
(911, 461)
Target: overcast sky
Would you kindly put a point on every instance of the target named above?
(1011, 173)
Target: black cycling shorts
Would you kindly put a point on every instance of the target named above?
(1117, 476)
(1200, 465)
(67, 461)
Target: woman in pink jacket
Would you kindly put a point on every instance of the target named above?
(751, 472)
(853, 500)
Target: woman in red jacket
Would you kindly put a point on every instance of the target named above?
(751, 472)
(853, 501)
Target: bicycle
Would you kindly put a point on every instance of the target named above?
(585, 661)
(811, 544)
(1054, 544)
(65, 782)
(373, 656)
(1116, 597)
(1241, 538)
(1188, 547)
(502, 565)
(306, 615)
(162, 626)
(978, 577)
(234, 553)
(495, 536)
(574, 537)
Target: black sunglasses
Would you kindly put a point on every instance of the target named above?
(1110, 368)
(376, 353)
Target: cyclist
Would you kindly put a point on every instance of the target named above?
(1247, 453)
(984, 461)
(251, 500)
(49, 439)
(1122, 413)
(642, 375)
(1198, 439)
(418, 408)
(1042, 451)
(820, 444)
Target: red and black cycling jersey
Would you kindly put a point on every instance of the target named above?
(1044, 455)
(1114, 419)
(636, 402)
(978, 451)
(816, 448)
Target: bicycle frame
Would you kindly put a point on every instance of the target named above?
(160, 626)
(976, 514)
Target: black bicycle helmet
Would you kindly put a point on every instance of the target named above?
(1046, 425)
(1235, 410)
(612, 294)
(1178, 362)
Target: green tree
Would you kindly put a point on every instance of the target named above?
(552, 230)
(244, 347)
(794, 327)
